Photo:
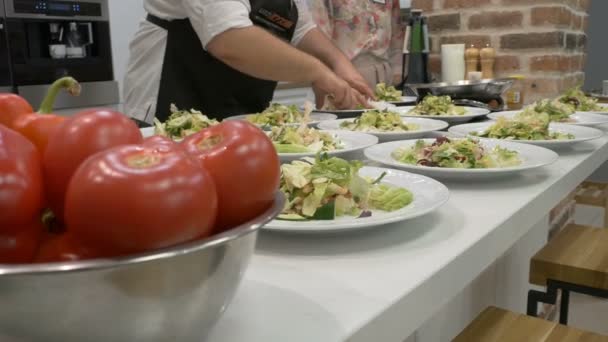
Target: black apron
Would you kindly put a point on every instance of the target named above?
(193, 78)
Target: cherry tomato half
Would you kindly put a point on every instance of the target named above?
(78, 138)
(244, 165)
(137, 198)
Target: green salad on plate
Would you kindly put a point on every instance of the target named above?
(379, 121)
(437, 106)
(577, 99)
(387, 93)
(459, 154)
(278, 115)
(324, 188)
(303, 139)
(555, 109)
(182, 123)
(524, 127)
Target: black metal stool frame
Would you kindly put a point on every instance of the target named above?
(550, 297)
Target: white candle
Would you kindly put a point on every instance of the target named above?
(452, 62)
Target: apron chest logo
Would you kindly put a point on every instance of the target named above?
(275, 18)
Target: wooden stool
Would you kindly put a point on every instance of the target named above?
(596, 195)
(497, 325)
(575, 260)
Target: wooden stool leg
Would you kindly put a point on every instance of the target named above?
(532, 309)
(563, 309)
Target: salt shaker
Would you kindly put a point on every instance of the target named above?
(488, 57)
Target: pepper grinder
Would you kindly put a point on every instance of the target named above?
(471, 57)
(488, 57)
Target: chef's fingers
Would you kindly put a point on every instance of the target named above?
(360, 99)
(345, 99)
(362, 87)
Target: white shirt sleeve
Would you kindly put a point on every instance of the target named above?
(212, 17)
(305, 22)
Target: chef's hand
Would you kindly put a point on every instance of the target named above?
(343, 96)
(349, 73)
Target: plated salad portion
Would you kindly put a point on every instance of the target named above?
(303, 139)
(557, 111)
(182, 123)
(577, 99)
(523, 127)
(387, 93)
(326, 188)
(458, 153)
(278, 115)
(379, 121)
(437, 106)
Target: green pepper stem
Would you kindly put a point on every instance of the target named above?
(68, 83)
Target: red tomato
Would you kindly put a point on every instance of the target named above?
(21, 246)
(12, 106)
(244, 165)
(38, 128)
(140, 197)
(63, 248)
(78, 138)
(160, 140)
(21, 196)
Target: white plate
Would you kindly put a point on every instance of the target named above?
(580, 118)
(428, 193)
(342, 113)
(580, 133)
(405, 99)
(603, 112)
(353, 142)
(425, 126)
(472, 113)
(315, 119)
(532, 157)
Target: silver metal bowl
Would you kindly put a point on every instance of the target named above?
(476, 90)
(176, 294)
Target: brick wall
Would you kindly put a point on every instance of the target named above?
(541, 39)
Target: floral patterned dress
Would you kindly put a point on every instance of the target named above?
(360, 27)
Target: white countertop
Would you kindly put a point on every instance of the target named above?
(382, 285)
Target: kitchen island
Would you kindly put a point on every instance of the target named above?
(385, 283)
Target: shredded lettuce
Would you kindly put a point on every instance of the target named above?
(379, 121)
(437, 105)
(459, 154)
(577, 99)
(387, 93)
(554, 109)
(182, 123)
(389, 198)
(278, 115)
(303, 139)
(523, 127)
(315, 186)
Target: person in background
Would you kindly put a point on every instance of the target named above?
(224, 57)
(369, 33)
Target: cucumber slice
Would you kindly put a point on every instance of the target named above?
(291, 217)
(326, 212)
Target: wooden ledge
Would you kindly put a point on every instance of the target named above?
(497, 325)
(576, 255)
(593, 193)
